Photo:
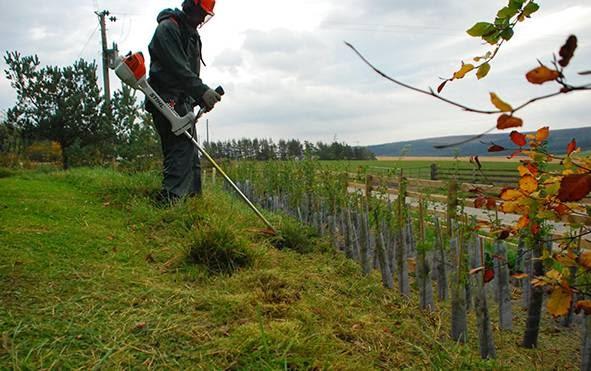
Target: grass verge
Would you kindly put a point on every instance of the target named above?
(93, 275)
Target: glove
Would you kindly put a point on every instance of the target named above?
(210, 98)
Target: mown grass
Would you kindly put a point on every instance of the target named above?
(93, 275)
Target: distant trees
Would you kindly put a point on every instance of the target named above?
(266, 149)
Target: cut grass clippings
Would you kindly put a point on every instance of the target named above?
(94, 276)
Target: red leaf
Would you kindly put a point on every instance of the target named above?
(441, 86)
(506, 121)
(518, 138)
(561, 209)
(496, 148)
(478, 162)
(533, 168)
(489, 274)
(574, 187)
(491, 203)
(534, 228)
(517, 152)
(479, 202)
(571, 147)
(504, 234)
(567, 51)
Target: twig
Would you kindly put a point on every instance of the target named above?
(564, 90)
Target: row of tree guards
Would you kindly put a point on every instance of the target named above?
(448, 258)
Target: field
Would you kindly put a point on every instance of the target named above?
(94, 275)
(420, 165)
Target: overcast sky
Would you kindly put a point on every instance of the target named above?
(288, 74)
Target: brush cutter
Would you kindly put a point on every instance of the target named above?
(131, 69)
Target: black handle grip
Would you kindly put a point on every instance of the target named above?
(220, 90)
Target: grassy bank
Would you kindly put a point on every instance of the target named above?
(94, 275)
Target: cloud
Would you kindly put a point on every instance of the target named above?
(287, 72)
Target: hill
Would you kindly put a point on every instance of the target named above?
(425, 147)
(93, 275)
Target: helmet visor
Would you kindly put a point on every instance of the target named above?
(207, 19)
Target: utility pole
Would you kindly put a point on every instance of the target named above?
(108, 54)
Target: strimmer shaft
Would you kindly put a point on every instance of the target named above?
(218, 168)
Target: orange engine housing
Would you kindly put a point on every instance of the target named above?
(136, 64)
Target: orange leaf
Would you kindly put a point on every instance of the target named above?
(500, 104)
(584, 305)
(523, 222)
(528, 184)
(507, 121)
(463, 71)
(567, 260)
(510, 194)
(520, 276)
(509, 207)
(541, 75)
(584, 259)
(574, 187)
(534, 229)
(542, 134)
(559, 301)
(523, 170)
(518, 138)
(572, 146)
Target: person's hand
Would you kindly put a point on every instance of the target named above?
(210, 98)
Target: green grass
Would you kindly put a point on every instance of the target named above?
(421, 168)
(94, 276)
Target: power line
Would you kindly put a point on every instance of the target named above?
(87, 41)
(401, 26)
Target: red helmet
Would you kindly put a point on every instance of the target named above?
(206, 5)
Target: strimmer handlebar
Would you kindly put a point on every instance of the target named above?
(131, 69)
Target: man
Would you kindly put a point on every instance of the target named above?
(175, 53)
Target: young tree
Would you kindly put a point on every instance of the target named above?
(134, 136)
(61, 104)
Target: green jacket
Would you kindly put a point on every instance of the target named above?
(175, 61)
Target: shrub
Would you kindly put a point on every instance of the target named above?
(218, 245)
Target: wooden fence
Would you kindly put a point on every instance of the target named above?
(437, 172)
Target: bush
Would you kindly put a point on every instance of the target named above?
(5, 173)
(295, 236)
(218, 246)
(44, 151)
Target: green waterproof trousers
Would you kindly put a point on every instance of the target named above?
(181, 168)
